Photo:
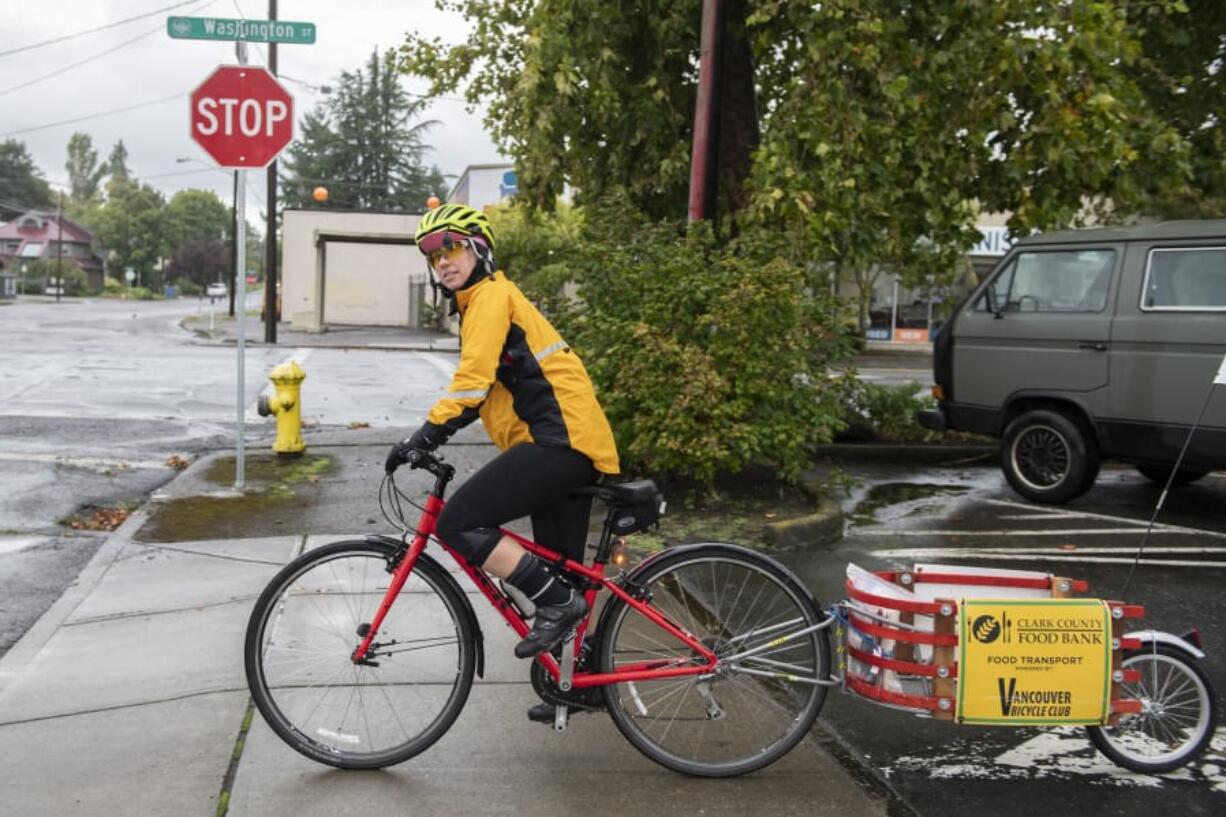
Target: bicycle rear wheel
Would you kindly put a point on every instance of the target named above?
(1177, 718)
(304, 628)
(756, 707)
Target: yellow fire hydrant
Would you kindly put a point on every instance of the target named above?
(287, 408)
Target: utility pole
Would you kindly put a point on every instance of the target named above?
(703, 160)
(59, 250)
(270, 230)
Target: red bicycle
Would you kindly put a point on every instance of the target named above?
(713, 660)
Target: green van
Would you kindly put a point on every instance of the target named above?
(1089, 345)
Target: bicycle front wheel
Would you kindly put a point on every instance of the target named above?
(1177, 718)
(303, 632)
(766, 691)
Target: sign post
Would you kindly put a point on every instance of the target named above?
(243, 118)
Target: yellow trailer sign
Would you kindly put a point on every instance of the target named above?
(1034, 661)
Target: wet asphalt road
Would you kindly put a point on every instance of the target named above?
(966, 515)
(96, 395)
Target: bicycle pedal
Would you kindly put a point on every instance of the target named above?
(559, 719)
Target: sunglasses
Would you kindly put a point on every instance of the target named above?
(450, 253)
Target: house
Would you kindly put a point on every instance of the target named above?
(38, 234)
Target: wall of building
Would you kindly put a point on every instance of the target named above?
(364, 284)
(482, 185)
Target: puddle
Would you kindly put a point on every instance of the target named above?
(274, 485)
(901, 499)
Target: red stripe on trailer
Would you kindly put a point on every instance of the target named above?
(886, 696)
(909, 636)
(1125, 705)
(1131, 676)
(1130, 643)
(928, 607)
(909, 667)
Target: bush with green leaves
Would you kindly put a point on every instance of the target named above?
(874, 411)
(705, 357)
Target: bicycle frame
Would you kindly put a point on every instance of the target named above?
(595, 578)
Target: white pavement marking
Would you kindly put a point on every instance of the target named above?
(93, 463)
(1060, 753)
(1088, 515)
(1031, 517)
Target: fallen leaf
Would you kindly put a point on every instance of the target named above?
(1068, 546)
(176, 462)
(359, 424)
(770, 515)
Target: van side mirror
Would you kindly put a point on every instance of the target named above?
(989, 297)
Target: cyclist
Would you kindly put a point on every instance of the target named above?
(538, 405)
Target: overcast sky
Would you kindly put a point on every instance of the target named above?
(154, 67)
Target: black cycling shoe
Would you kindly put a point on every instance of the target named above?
(584, 701)
(551, 626)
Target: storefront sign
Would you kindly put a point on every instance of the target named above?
(1034, 662)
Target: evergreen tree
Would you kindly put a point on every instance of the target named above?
(117, 165)
(365, 144)
(22, 186)
(84, 172)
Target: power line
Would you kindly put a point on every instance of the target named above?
(94, 115)
(92, 57)
(67, 37)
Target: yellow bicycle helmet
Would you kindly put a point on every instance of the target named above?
(451, 223)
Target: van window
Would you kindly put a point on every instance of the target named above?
(1193, 278)
(1058, 281)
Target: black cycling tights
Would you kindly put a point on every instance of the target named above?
(527, 480)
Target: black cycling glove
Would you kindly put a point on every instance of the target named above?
(426, 438)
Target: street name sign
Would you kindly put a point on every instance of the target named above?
(242, 116)
(252, 31)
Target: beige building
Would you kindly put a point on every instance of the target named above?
(351, 268)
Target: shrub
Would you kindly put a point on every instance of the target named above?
(872, 411)
(706, 360)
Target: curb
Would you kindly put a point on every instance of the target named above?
(21, 654)
(822, 528)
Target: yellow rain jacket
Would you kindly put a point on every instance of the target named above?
(521, 378)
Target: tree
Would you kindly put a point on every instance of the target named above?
(361, 146)
(117, 164)
(200, 261)
(891, 126)
(22, 186)
(84, 172)
(196, 215)
(131, 225)
(1182, 78)
(578, 91)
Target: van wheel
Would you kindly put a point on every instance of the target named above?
(1047, 457)
(1160, 473)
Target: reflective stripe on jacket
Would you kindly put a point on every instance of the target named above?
(521, 378)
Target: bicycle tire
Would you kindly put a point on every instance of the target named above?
(1178, 719)
(303, 630)
(701, 588)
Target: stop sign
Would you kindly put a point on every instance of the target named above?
(242, 116)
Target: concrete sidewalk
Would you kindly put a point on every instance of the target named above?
(128, 697)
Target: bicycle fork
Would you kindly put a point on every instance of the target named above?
(368, 630)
